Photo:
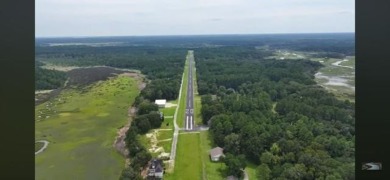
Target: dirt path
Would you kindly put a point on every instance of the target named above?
(45, 144)
(246, 177)
(119, 143)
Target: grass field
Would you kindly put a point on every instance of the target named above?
(183, 98)
(81, 127)
(162, 135)
(167, 145)
(168, 117)
(188, 164)
(197, 100)
(197, 108)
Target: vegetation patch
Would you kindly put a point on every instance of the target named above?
(82, 141)
(85, 76)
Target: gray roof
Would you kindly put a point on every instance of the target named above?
(156, 164)
(216, 151)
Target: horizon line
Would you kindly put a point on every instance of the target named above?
(231, 34)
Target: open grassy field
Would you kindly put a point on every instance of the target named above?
(167, 145)
(188, 163)
(197, 100)
(163, 135)
(81, 126)
(197, 108)
(168, 117)
(183, 98)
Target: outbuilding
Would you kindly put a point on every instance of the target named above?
(160, 102)
(216, 154)
(156, 169)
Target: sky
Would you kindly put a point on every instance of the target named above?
(57, 18)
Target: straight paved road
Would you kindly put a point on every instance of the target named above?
(189, 120)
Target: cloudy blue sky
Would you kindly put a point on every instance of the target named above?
(189, 17)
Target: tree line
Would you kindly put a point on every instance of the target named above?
(48, 79)
(147, 118)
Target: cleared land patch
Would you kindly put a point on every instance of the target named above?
(81, 138)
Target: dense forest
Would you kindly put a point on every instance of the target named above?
(48, 79)
(272, 113)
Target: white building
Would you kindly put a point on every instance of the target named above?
(160, 102)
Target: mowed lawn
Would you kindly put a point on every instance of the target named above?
(188, 163)
(81, 127)
(168, 117)
(197, 100)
